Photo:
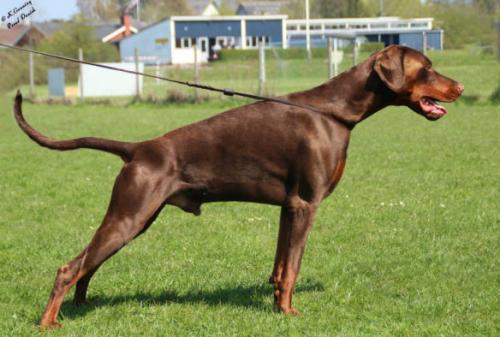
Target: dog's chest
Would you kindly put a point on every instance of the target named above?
(336, 175)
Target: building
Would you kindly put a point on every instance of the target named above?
(120, 31)
(21, 35)
(260, 7)
(172, 40)
(389, 30)
(204, 8)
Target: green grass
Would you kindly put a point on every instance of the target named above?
(406, 246)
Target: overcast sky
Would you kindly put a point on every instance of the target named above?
(44, 9)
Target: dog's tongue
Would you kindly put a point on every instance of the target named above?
(429, 105)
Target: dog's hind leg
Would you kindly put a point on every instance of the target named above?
(83, 283)
(137, 197)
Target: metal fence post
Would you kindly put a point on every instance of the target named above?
(136, 61)
(80, 57)
(330, 58)
(262, 67)
(32, 76)
(335, 53)
(355, 52)
(196, 71)
(158, 71)
(424, 43)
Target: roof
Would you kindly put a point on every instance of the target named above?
(15, 34)
(199, 6)
(102, 30)
(111, 36)
(260, 7)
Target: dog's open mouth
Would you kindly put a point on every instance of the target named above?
(431, 108)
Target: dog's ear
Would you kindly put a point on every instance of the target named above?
(389, 65)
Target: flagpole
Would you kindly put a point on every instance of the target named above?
(138, 10)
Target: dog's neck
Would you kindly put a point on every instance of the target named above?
(349, 97)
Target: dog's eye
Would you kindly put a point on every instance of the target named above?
(428, 67)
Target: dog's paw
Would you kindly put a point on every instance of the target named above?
(50, 325)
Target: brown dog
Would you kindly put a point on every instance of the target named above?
(264, 152)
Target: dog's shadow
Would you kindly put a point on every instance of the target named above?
(252, 296)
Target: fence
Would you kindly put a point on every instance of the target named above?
(238, 70)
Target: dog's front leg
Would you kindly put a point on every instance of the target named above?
(281, 252)
(295, 224)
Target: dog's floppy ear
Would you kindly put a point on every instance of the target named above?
(389, 65)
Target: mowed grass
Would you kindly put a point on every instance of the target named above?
(406, 246)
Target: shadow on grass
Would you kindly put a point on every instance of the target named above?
(252, 296)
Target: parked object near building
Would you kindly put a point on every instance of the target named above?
(96, 80)
(56, 82)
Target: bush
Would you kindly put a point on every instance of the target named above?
(371, 47)
(14, 65)
(495, 96)
(229, 55)
(67, 41)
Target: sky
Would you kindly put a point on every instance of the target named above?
(44, 9)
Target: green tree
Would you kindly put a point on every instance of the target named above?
(101, 10)
(108, 10)
(154, 10)
(74, 35)
(225, 8)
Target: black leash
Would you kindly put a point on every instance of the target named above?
(227, 92)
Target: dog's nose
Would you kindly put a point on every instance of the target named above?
(460, 88)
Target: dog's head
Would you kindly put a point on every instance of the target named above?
(409, 74)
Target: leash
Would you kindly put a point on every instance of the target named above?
(224, 91)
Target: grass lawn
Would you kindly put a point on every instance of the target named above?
(406, 246)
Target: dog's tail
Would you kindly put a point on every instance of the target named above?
(122, 149)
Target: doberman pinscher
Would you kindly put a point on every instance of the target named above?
(263, 152)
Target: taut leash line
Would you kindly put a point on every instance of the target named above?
(227, 92)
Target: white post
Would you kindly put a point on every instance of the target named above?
(308, 33)
(262, 67)
(243, 34)
(196, 71)
(336, 57)
(138, 10)
(330, 58)
(32, 76)
(355, 52)
(136, 61)
(424, 43)
(80, 57)
(157, 71)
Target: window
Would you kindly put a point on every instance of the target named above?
(253, 41)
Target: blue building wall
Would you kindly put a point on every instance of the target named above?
(415, 40)
(207, 28)
(411, 39)
(146, 41)
(434, 39)
(270, 28)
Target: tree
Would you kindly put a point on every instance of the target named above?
(154, 10)
(74, 35)
(101, 10)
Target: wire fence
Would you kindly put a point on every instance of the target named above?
(283, 74)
